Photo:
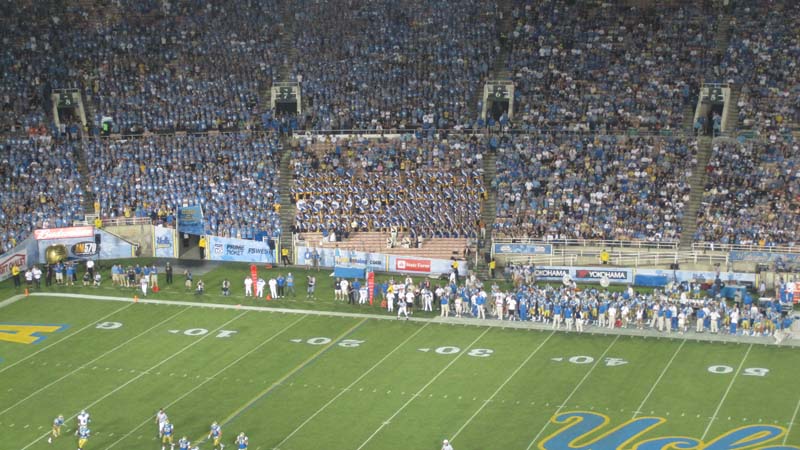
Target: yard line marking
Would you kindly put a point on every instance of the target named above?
(91, 324)
(489, 400)
(281, 380)
(350, 386)
(725, 395)
(658, 380)
(789, 428)
(123, 385)
(198, 386)
(86, 364)
(578, 386)
(387, 421)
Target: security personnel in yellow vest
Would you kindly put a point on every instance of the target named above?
(285, 256)
(202, 245)
(15, 275)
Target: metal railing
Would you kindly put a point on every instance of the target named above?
(716, 247)
(589, 243)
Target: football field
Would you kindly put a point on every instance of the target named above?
(330, 380)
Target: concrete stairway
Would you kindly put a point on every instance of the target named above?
(286, 179)
(732, 117)
(488, 212)
(697, 182)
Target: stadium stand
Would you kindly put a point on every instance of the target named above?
(557, 186)
(41, 187)
(233, 176)
(420, 66)
(600, 67)
(753, 193)
(425, 187)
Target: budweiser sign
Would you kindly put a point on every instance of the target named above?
(63, 233)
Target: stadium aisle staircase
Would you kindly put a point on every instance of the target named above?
(697, 181)
(732, 118)
(488, 212)
(285, 179)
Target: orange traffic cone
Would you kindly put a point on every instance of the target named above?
(26, 292)
(135, 299)
(268, 297)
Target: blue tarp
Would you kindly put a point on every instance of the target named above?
(349, 272)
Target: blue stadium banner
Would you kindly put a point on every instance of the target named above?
(243, 250)
(190, 220)
(164, 240)
(523, 249)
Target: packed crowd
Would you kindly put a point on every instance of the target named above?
(678, 308)
(753, 193)
(425, 187)
(384, 64)
(233, 176)
(556, 186)
(599, 67)
(41, 187)
(762, 58)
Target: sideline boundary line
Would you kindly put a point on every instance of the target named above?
(518, 325)
(89, 325)
(215, 375)
(578, 386)
(725, 395)
(430, 382)
(141, 374)
(342, 392)
(638, 410)
(86, 364)
(487, 401)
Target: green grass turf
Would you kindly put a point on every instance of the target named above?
(383, 393)
(361, 383)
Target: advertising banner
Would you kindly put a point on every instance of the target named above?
(243, 250)
(23, 255)
(523, 249)
(378, 261)
(63, 233)
(584, 274)
(763, 257)
(84, 247)
(190, 220)
(164, 242)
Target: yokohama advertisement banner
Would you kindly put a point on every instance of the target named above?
(63, 233)
(584, 274)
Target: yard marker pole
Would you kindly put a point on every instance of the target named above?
(658, 380)
(725, 395)
(280, 381)
(91, 324)
(123, 385)
(387, 421)
(86, 364)
(486, 402)
(350, 386)
(578, 386)
(219, 372)
(789, 428)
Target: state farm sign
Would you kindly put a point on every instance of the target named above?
(63, 233)
(412, 265)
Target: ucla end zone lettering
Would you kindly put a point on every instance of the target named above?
(27, 333)
(581, 430)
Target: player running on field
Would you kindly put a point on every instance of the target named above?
(167, 438)
(83, 437)
(83, 419)
(58, 422)
(184, 444)
(242, 441)
(215, 435)
(161, 419)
